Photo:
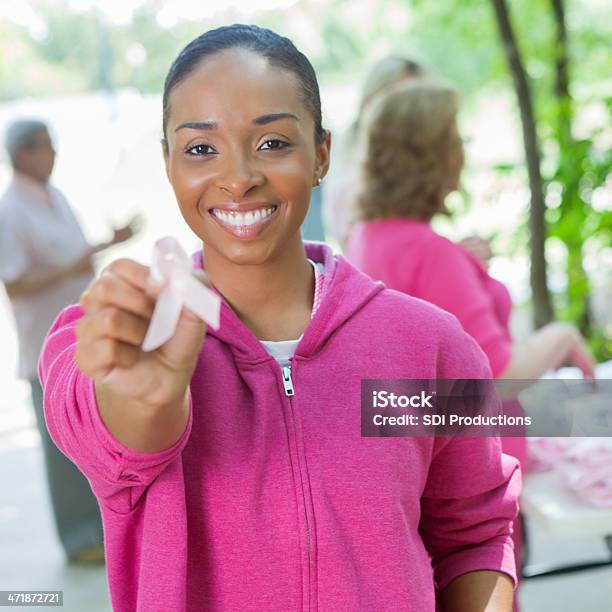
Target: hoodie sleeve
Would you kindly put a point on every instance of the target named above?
(470, 498)
(118, 475)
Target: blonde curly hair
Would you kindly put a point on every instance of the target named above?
(411, 154)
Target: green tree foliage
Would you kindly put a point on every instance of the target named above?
(576, 162)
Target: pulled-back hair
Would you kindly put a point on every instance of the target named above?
(278, 50)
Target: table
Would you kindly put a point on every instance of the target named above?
(553, 507)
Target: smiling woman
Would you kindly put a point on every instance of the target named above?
(224, 481)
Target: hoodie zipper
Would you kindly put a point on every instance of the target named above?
(287, 382)
(290, 392)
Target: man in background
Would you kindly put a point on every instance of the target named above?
(45, 264)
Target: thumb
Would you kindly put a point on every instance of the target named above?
(190, 331)
(182, 348)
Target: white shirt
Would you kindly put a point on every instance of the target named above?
(284, 350)
(38, 231)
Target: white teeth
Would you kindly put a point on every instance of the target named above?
(243, 219)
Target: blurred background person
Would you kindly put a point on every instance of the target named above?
(339, 192)
(412, 158)
(45, 264)
(339, 195)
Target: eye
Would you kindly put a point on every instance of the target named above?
(273, 144)
(200, 150)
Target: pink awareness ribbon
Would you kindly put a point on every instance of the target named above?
(171, 266)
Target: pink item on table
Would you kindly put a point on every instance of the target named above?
(545, 453)
(584, 464)
(588, 470)
(172, 265)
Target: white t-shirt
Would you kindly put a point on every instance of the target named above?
(284, 350)
(38, 231)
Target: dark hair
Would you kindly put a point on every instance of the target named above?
(278, 50)
(21, 134)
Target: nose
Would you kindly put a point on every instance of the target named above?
(239, 175)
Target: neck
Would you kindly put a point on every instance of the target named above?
(273, 299)
(30, 177)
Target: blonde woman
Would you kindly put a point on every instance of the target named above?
(338, 197)
(412, 159)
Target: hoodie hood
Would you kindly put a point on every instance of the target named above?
(346, 291)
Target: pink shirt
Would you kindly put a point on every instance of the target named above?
(275, 502)
(407, 255)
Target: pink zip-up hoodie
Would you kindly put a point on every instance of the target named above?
(272, 501)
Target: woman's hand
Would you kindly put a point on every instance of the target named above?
(549, 348)
(580, 355)
(118, 307)
(121, 234)
(479, 248)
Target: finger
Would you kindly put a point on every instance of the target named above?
(110, 322)
(98, 359)
(186, 342)
(113, 290)
(585, 363)
(130, 271)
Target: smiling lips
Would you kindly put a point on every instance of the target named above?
(244, 223)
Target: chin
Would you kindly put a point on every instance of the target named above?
(247, 253)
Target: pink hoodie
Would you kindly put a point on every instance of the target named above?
(275, 502)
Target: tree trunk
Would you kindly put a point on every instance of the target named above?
(543, 312)
(578, 283)
(562, 73)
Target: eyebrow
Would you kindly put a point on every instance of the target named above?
(213, 125)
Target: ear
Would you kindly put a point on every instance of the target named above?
(323, 157)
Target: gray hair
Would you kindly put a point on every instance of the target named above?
(20, 133)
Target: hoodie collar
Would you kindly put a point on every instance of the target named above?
(345, 291)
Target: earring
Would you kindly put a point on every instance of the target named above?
(319, 180)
